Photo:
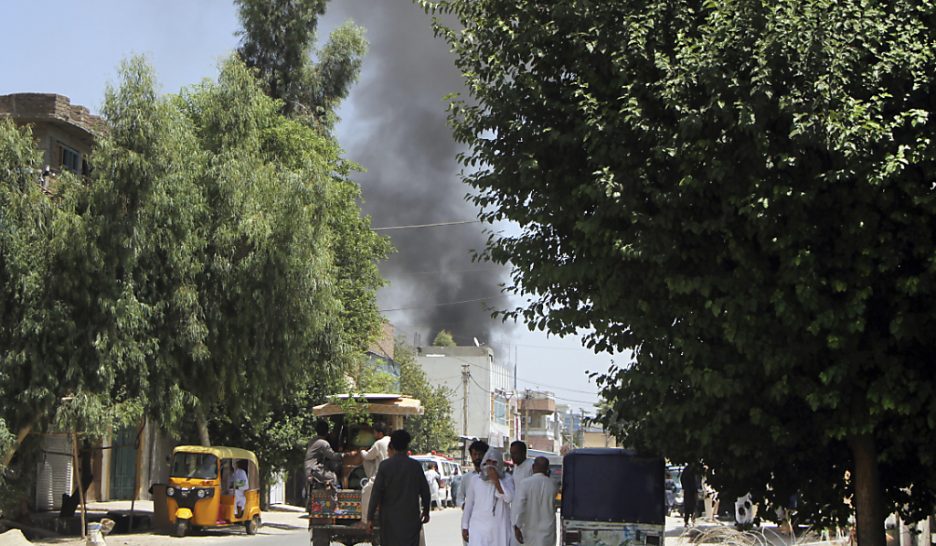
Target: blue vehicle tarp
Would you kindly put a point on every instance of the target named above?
(613, 485)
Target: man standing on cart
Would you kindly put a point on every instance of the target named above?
(371, 460)
(320, 458)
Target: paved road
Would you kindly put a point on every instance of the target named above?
(280, 528)
(287, 527)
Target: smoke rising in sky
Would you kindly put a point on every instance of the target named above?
(395, 126)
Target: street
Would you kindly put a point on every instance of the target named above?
(283, 527)
(286, 526)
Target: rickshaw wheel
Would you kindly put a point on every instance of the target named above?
(252, 525)
(180, 527)
(320, 537)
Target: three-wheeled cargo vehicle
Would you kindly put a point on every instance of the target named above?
(336, 517)
(204, 489)
(612, 497)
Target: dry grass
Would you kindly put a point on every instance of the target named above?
(730, 536)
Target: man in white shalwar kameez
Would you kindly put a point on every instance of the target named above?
(486, 520)
(523, 467)
(534, 515)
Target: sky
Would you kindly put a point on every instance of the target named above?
(393, 124)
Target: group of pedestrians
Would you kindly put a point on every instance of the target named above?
(501, 509)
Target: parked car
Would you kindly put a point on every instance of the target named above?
(674, 492)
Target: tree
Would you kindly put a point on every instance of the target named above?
(278, 41)
(739, 193)
(444, 339)
(268, 289)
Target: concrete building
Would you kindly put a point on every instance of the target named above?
(542, 426)
(63, 131)
(596, 436)
(485, 412)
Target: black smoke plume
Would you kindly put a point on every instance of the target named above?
(394, 124)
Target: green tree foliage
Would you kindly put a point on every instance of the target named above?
(73, 336)
(278, 40)
(741, 194)
(38, 331)
(444, 339)
(434, 429)
(278, 43)
(205, 265)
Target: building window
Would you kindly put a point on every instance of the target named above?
(500, 411)
(71, 159)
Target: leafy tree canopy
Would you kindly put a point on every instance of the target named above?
(278, 40)
(444, 339)
(741, 193)
(201, 267)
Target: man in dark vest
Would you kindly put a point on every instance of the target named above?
(689, 479)
(320, 459)
(400, 491)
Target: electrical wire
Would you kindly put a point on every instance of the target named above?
(441, 304)
(420, 226)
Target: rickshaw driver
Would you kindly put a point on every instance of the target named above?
(240, 485)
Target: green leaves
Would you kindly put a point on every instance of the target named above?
(738, 193)
(216, 260)
(278, 42)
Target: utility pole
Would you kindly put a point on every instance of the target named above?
(466, 375)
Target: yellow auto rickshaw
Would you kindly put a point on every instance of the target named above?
(213, 487)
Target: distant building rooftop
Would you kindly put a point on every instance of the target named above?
(459, 351)
(54, 109)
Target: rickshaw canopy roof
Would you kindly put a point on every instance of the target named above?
(220, 452)
(615, 485)
(377, 404)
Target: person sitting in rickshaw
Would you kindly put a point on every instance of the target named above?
(240, 486)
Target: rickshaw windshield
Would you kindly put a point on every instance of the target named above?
(194, 465)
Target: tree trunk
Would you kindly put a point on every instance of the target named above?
(78, 483)
(201, 421)
(136, 472)
(869, 511)
(21, 435)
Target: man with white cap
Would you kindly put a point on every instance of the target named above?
(534, 516)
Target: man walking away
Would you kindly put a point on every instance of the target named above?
(371, 460)
(434, 480)
(534, 516)
(400, 490)
(523, 467)
(689, 481)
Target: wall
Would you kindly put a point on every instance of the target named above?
(444, 365)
